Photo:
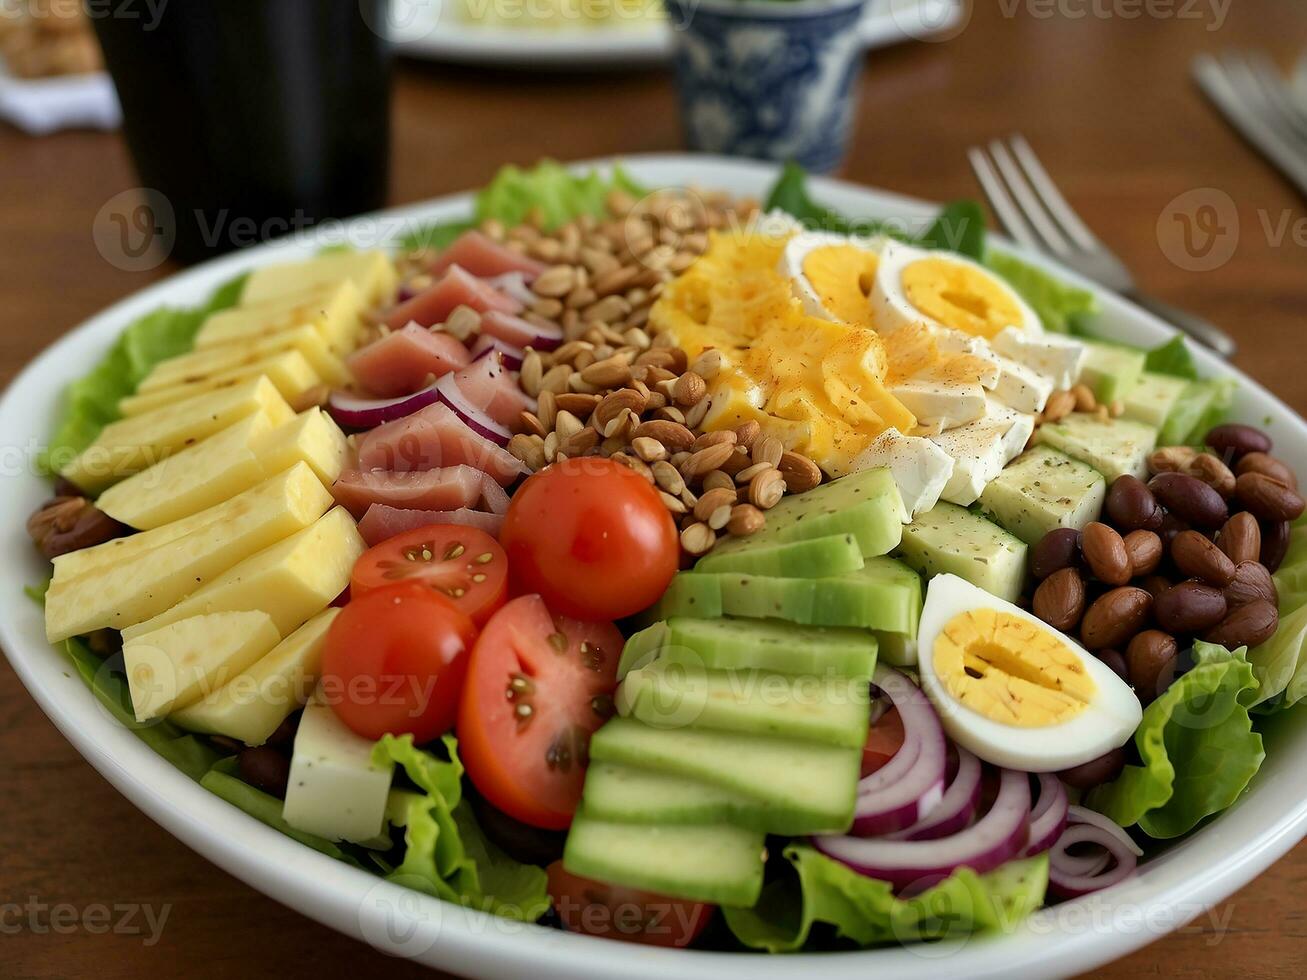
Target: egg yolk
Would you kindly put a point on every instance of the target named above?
(842, 276)
(814, 384)
(960, 297)
(1011, 670)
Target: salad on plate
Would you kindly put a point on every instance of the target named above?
(791, 580)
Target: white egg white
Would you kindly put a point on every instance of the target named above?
(1104, 724)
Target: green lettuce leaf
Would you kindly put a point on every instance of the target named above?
(865, 910)
(959, 227)
(1205, 403)
(1197, 745)
(790, 194)
(1280, 664)
(1173, 358)
(446, 855)
(1061, 308)
(91, 402)
(223, 780)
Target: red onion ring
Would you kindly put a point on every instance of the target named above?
(447, 391)
(355, 412)
(994, 839)
(485, 345)
(513, 284)
(1073, 875)
(956, 808)
(905, 789)
(1049, 817)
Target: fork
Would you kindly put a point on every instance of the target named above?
(1251, 93)
(1034, 213)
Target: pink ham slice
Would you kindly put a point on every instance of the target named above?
(431, 438)
(482, 256)
(518, 332)
(492, 388)
(382, 522)
(442, 489)
(457, 287)
(400, 362)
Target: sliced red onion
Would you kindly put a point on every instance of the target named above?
(956, 807)
(514, 284)
(905, 789)
(485, 345)
(1048, 818)
(1069, 875)
(355, 412)
(478, 421)
(1082, 814)
(995, 838)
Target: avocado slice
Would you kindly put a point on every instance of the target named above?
(949, 538)
(1111, 371)
(1154, 398)
(1114, 447)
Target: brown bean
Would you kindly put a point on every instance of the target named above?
(1114, 617)
(1105, 554)
(1269, 465)
(265, 768)
(1147, 657)
(67, 524)
(1095, 772)
(1155, 585)
(1190, 499)
(1130, 505)
(1249, 625)
(1059, 548)
(1116, 661)
(1240, 538)
(1234, 440)
(1268, 499)
(1275, 543)
(1060, 599)
(1251, 582)
(1190, 607)
(1195, 555)
(1145, 551)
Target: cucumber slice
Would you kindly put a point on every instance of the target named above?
(642, 648)
(816, 558)
(718, 864)
(625, 794)
(792, 776)
(832, 710)
(949, 538)
(767, 644)
(691, 595)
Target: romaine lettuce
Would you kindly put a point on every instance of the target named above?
(1280, 664)
(1197, 745)
(1173, 358)
(866, 911)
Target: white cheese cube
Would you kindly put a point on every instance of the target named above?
(1021, 388)
(977, 452)
(919, 467)
(943, 403)
(1059, 359)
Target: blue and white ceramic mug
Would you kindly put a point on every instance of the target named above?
(770, 79)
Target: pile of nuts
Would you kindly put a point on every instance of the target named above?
(44, 38)
(1079, 398)
(1188, 555)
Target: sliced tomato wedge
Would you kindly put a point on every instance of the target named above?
(884, 739)
(538, 686)
(464, 564)
(628, 914)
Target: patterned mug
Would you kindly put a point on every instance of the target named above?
(771, 79)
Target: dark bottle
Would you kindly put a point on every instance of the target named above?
(249, 119)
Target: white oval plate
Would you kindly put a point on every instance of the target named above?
(433, 31)
(1173, 888)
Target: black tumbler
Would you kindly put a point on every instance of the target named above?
(250, 119)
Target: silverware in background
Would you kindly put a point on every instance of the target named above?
(1035, 214)
(1267, 109)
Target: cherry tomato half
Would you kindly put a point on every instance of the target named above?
(538, 686)
(884, 739)
(464, 564)
(395, 660)
(628, 914)
(592, 537)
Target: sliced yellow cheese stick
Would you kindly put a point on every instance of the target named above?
(290, 581)
(201, 365)
(372, 272)
(185, 661)
(224, 465)
(251, 705)
(335, 312)
(137, 443)
(129, 590)
(290, 371)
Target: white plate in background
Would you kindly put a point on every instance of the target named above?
(1172, 888)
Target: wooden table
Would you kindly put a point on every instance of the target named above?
(1105, 99)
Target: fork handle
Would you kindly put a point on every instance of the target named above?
(1206, 333)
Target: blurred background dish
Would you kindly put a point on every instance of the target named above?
(501, 33)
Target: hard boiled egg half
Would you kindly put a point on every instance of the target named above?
(1012, 689)
(832, 275)
(946, 291)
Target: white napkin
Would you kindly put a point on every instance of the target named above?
(44, 105)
